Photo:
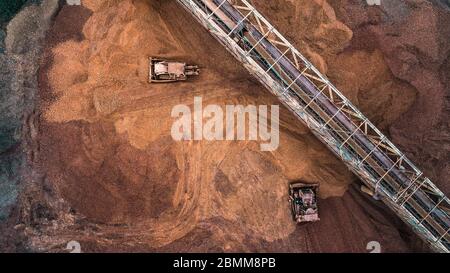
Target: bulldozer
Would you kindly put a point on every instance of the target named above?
(303, 201)
(164, 71)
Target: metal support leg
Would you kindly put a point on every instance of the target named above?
(279, 58)
(294, 81)
(240, 22)
(414, 192)
(409, 186)
(359, 127)
(335, 114)
(390, 169)
(216, 9)
(314, 98)
(260, 40)
(443, 235)
(432, 210)
(373, 150)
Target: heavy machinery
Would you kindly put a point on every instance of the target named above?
(163, 71)
(332, 118)
(303, 200)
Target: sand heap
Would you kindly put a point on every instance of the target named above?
(106, 147)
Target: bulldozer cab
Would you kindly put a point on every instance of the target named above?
(303, 200)
(161, 68)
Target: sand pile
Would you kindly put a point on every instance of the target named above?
(413, 37)
(106, 148)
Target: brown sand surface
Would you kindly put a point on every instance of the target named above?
(106, 150)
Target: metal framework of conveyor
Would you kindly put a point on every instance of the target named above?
(310, 96)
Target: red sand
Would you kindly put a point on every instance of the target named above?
(106, 150)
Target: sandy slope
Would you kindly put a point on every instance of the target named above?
(106, 148)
